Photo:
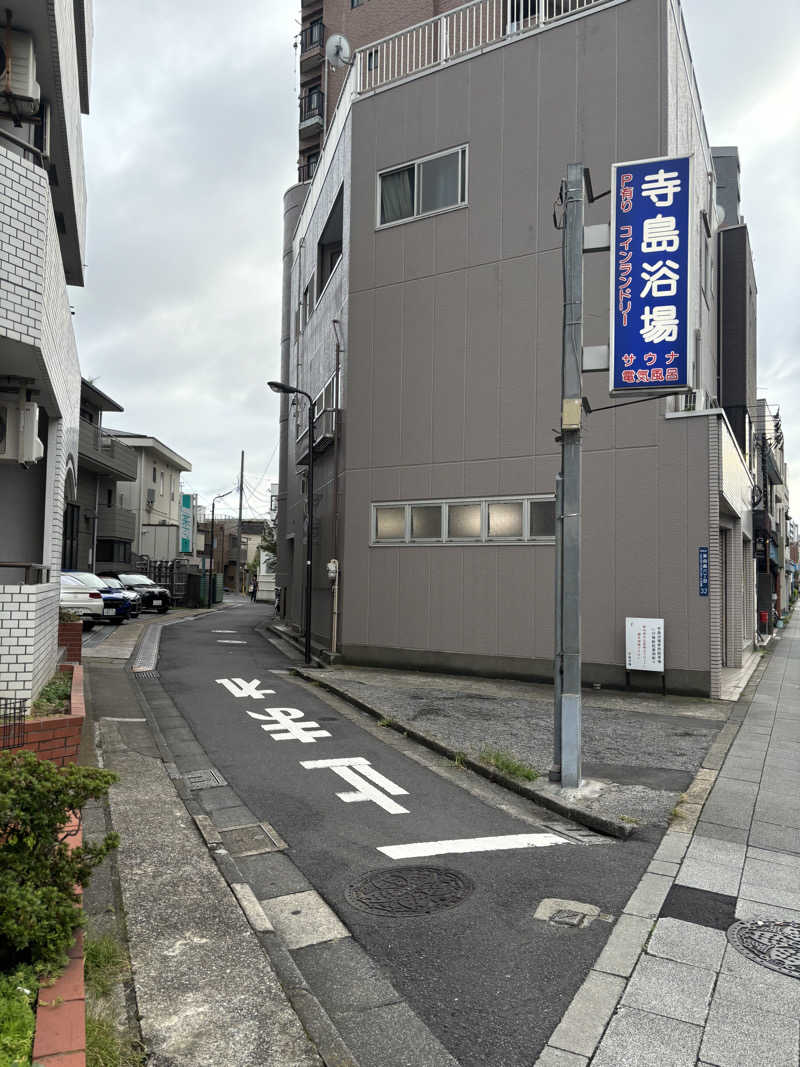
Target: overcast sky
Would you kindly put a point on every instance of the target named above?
(190, 144)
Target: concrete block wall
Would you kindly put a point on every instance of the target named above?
(23, 233)
(28, 638)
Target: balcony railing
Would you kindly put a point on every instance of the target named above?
(312, 37)
(100, 452)
(324, 435)
(26, 573)
(312, 105)
(456, 33)
(116, 524)
(305, 172)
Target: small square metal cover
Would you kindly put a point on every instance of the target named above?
(207, 778)
(251, 840)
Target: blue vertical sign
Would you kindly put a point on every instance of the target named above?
(650, 260)
(702, 571)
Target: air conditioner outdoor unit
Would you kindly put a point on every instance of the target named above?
(151, 498)
(18, 71)
(19, 441)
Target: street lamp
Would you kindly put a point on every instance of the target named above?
(219, 496)
(281, 387)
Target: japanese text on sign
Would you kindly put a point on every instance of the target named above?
(644, 645)
(702, 568)
(650, 274)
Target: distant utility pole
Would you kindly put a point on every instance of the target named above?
(567, 746)
(239, 529)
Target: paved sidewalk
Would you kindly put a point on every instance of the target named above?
(641, 751)
(670, 989)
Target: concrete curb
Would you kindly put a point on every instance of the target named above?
(604, 824)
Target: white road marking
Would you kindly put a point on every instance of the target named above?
(112, 718)
(238, 687)
(285, 719)
(346, 769)
(229, 642)
(470, 844)
(224, 631)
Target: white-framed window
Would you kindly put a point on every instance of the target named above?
(161, 484)
(325, 400)
(423, 187)
(487, 520)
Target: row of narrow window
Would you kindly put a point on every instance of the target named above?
(522, 519)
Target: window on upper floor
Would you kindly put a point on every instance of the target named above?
(329, 246)
(155, 476)
(434, 183)
(356, 3)
(520, 519)
(161, 485)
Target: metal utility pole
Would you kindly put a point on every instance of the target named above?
(239, 529)
(567, 747)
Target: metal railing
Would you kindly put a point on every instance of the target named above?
(12, 722)
(30, 569)
(312, 37)
(305, 171)
(312, 105)
(455, 33)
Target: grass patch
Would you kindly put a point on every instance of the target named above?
(54, 697)
(17, 1017)
(105, 963)
(385, 722)
(506, 764)
(628, 819)
(458, 759)
(106, 1048)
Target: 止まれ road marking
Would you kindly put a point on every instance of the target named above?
(286, 721)
(238, 687)
(470, 844)
(352, 768)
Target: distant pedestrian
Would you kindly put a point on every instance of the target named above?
(254, 588)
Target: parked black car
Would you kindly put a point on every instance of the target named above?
(154, 597)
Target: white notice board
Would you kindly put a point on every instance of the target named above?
(644, 645)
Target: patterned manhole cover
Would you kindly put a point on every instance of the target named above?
(409, 891)
(772, 944)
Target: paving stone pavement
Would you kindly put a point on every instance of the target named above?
(669, 988)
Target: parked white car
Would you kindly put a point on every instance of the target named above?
(75, 596)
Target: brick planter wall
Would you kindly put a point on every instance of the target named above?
(70, 636)
(60, 1038)
(58, 737)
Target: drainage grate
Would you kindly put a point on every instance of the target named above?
(152, 676)
(409, 891)
(207, 778)
(145, 656)
(770, 943)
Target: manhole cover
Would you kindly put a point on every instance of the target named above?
(409, 891)
(772, 944)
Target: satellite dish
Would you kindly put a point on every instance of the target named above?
(338, 51)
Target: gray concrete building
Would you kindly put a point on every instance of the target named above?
(423, 311)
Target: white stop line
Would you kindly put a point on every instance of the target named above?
(470, 844)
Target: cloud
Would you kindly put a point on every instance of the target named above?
(190, 145)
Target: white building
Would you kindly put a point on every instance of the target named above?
(44, 78)
(155, 496)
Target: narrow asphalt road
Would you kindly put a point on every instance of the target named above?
(488, 979)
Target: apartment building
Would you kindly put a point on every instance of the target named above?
(361, 22)
(98, 531)
(44, 90)
(154, 496)
(423, 312)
